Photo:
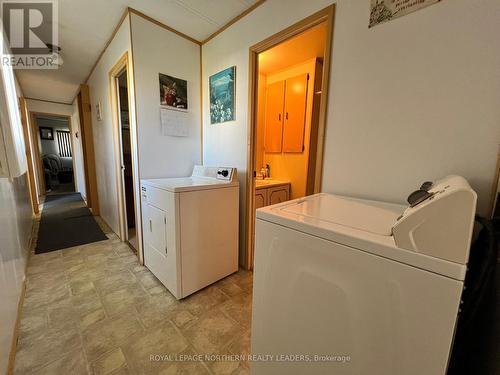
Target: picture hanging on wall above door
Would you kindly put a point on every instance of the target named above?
(222, 88)
(173, 92)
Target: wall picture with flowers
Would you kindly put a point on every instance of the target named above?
(222, 89)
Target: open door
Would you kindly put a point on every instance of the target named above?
(127, 172)
(121, 84)
(84, 112)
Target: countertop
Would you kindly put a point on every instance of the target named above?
(269, 182)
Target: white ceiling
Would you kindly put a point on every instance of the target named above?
(86, 25)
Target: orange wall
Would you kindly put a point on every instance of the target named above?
(290, 166)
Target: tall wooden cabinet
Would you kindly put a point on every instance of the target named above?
(275, 101)
(286, 114)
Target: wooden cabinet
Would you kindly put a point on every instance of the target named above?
(295, 113)
(273, 194)
(260, 198)
(275, 101)
(286, 114)
(278, 194)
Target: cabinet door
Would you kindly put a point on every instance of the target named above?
(295, 113)
(278, 194)
(260, 198)
(274, 116)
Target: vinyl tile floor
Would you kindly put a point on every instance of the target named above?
(94, 309)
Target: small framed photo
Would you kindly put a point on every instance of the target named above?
(46, 133)
(173, 92)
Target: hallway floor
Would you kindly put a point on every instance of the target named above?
(93, 309)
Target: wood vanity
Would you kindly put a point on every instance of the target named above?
(270, 191)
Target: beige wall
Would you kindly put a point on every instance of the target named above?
(293, 166)
(15, 233)
(157, 50)
(103, 132)
(414, 99)
(410, 100)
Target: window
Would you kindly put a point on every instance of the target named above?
(64, 143)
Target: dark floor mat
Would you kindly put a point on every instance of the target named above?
(66, 222)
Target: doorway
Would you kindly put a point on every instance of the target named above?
(54, 153)
(126, 166)
(289, 77)
(126, 153)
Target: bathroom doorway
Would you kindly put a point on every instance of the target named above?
(289, 77)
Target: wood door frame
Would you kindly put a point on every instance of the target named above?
(37, 151)
(25, 120)
(325, 15)
(120, 66)
(87, 141)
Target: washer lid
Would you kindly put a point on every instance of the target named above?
(181, 184)
(202, 178)
(360, 224)
(369, 216)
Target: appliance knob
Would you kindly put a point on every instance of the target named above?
(223, 172)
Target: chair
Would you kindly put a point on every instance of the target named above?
(52, 165)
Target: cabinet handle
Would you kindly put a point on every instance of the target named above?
(150, 226)
(286, 116)
(279, 116)
(166, 250)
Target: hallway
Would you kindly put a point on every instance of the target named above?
(92, 309)
(66, 221)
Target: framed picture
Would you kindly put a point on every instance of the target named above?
(46, 133)
(222, 88)
(173, 92)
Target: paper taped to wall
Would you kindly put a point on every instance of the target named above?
(174, 123)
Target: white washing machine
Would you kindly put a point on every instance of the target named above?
(351, 286)
(190, 228)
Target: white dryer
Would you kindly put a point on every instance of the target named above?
(351, 286)
(190, 228)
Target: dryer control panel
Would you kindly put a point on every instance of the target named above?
(224, 174)
(439, 221)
